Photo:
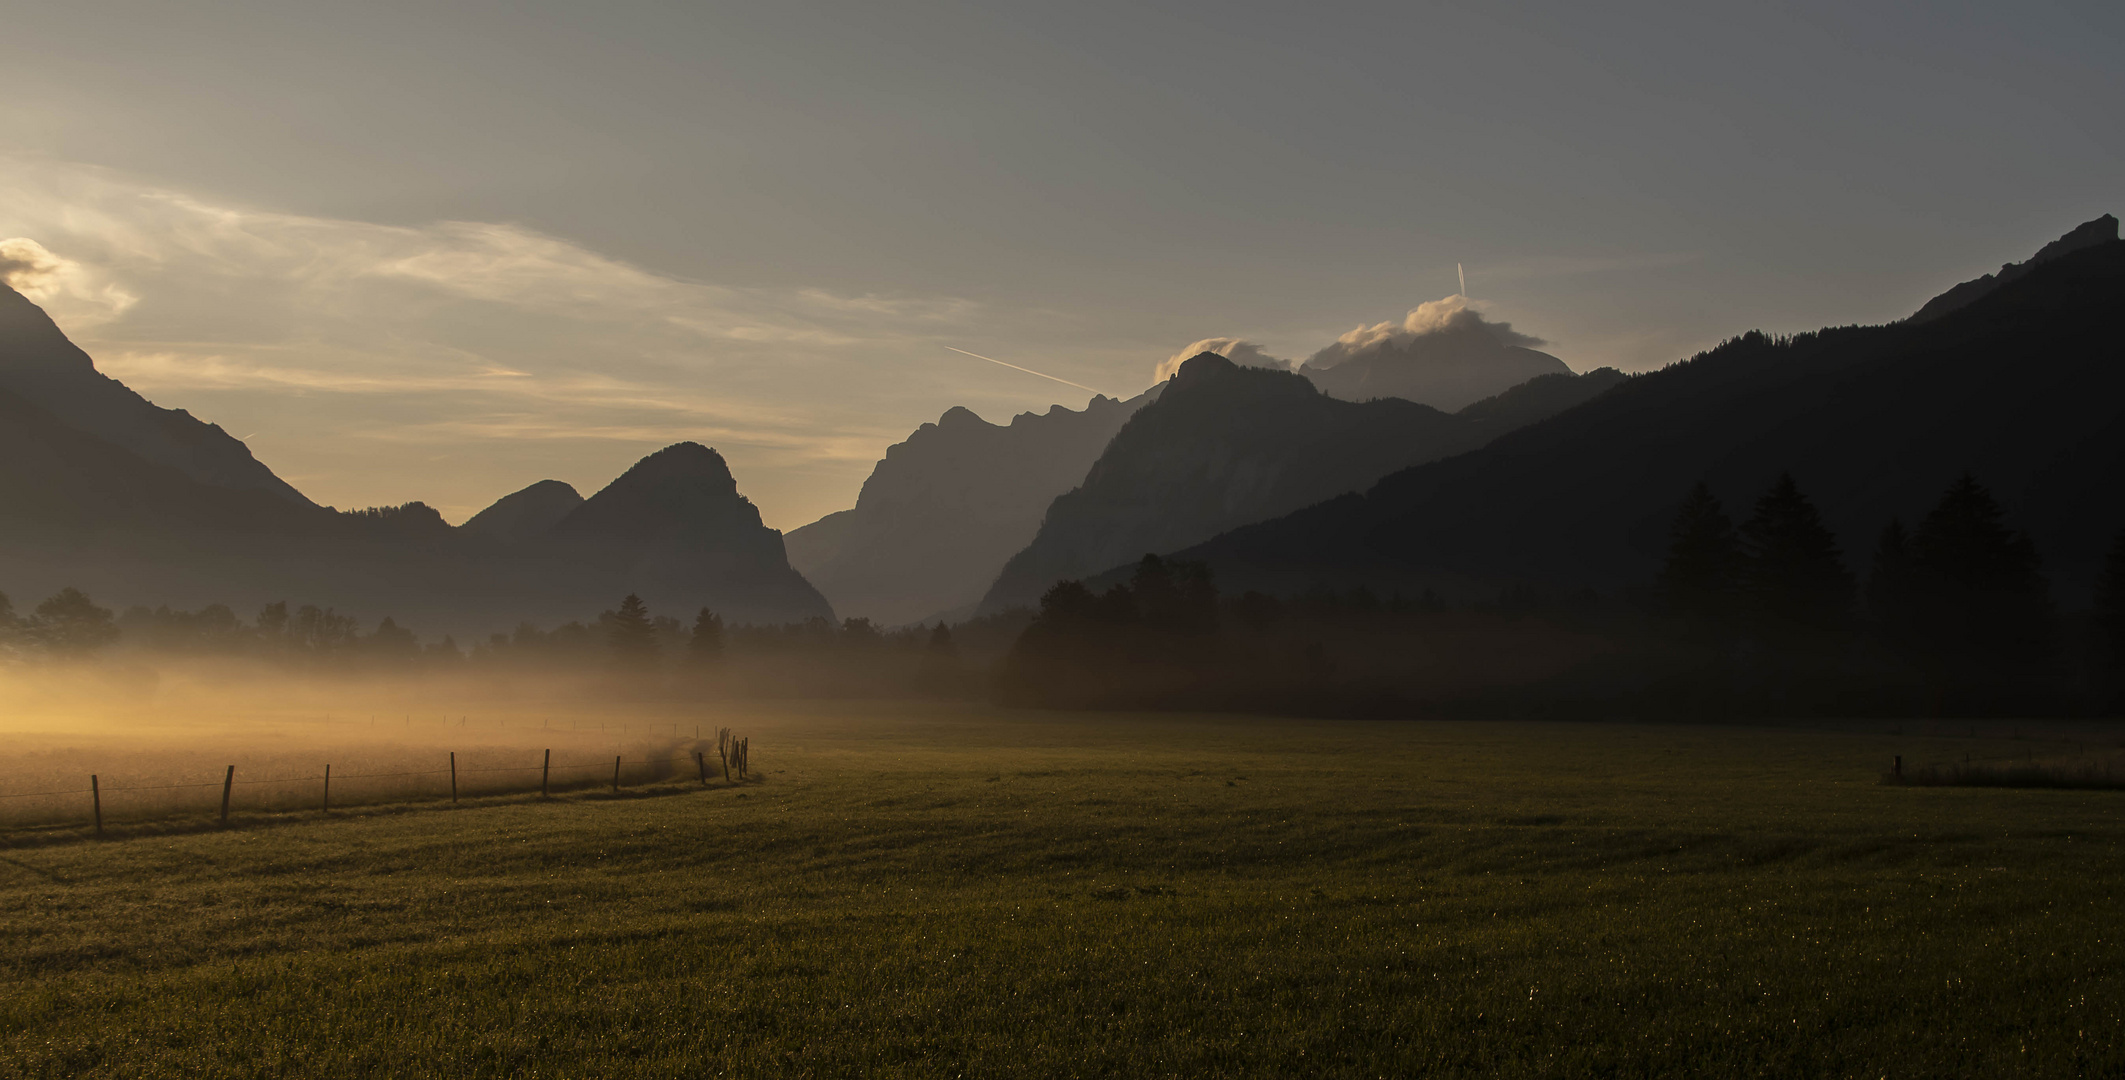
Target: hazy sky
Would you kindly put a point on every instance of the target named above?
(439, 251)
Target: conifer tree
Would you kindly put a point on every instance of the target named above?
(706, 643)
(629, 632)
(941, 641)
(1981, 609)
(1697, 582)
(1893, 590)
(1795, 588)
(2110, 610)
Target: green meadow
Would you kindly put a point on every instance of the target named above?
(927, 891)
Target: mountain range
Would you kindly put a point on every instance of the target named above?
(1226, 445)
(107, 492)
(2017, 378)
(947, 506)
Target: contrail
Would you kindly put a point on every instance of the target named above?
(1464, 278)
(1027, 370)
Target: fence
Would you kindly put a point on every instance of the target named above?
(140, 802)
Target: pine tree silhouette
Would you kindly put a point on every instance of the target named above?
(2110, 613)
(1697, 583)
(1980, 613)
(1892, 587)
(629, 633)
(1795, 588)
(706, 643)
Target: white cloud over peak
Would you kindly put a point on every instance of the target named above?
(1451, 315)
(1239, 351)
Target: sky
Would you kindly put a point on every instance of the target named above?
(440, 251)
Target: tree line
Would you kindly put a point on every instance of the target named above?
(1953, 616)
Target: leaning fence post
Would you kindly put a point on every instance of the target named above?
(616, 775)
(701, 760)
(545, 770)
(228, 782)
(326, 805)
(453, 776)
(96, 797)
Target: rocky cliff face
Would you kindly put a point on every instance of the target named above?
(946, 507)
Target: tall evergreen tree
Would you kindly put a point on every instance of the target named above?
(705, 645)
(1981, 609)
(1891, 586)
(2110, 612)
(941, 641)
(1795, 588)
(1697, 583)
(629, 632)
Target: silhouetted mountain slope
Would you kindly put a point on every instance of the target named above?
(1444, 354)
(522, 515)
(1226, 445)
(945, 508)
(2088, 234)
(1445, 371)
(2025, 387)
(39, 364)
(96, 495)
(674, 529)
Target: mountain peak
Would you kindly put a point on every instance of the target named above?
(1201, 367)
(2088, 234)
(524, 514)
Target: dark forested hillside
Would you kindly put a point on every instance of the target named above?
(2023, 387)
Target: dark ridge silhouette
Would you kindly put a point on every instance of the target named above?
(2103, 230)
(674, 528)
(1226, 445)
(2024, 387)
(946, 507)
(105, 514)
(39, 365)
(522, 515)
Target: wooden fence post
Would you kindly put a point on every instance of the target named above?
(545, 770)
(228, 782)
(1899, 766)
(453, 776)
(326, 806)
(701, 760)
(96, 797)
(616, 775)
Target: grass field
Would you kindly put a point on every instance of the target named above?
(964, 892)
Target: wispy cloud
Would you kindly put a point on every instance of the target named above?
(487, 333)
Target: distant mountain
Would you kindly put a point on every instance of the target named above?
(674, 529)
(2024, 386)
(1445, 355)
(2103, 230)
(523, 515)
(39, 365)
(1227, 445)
(137, 504)
(945, 508)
